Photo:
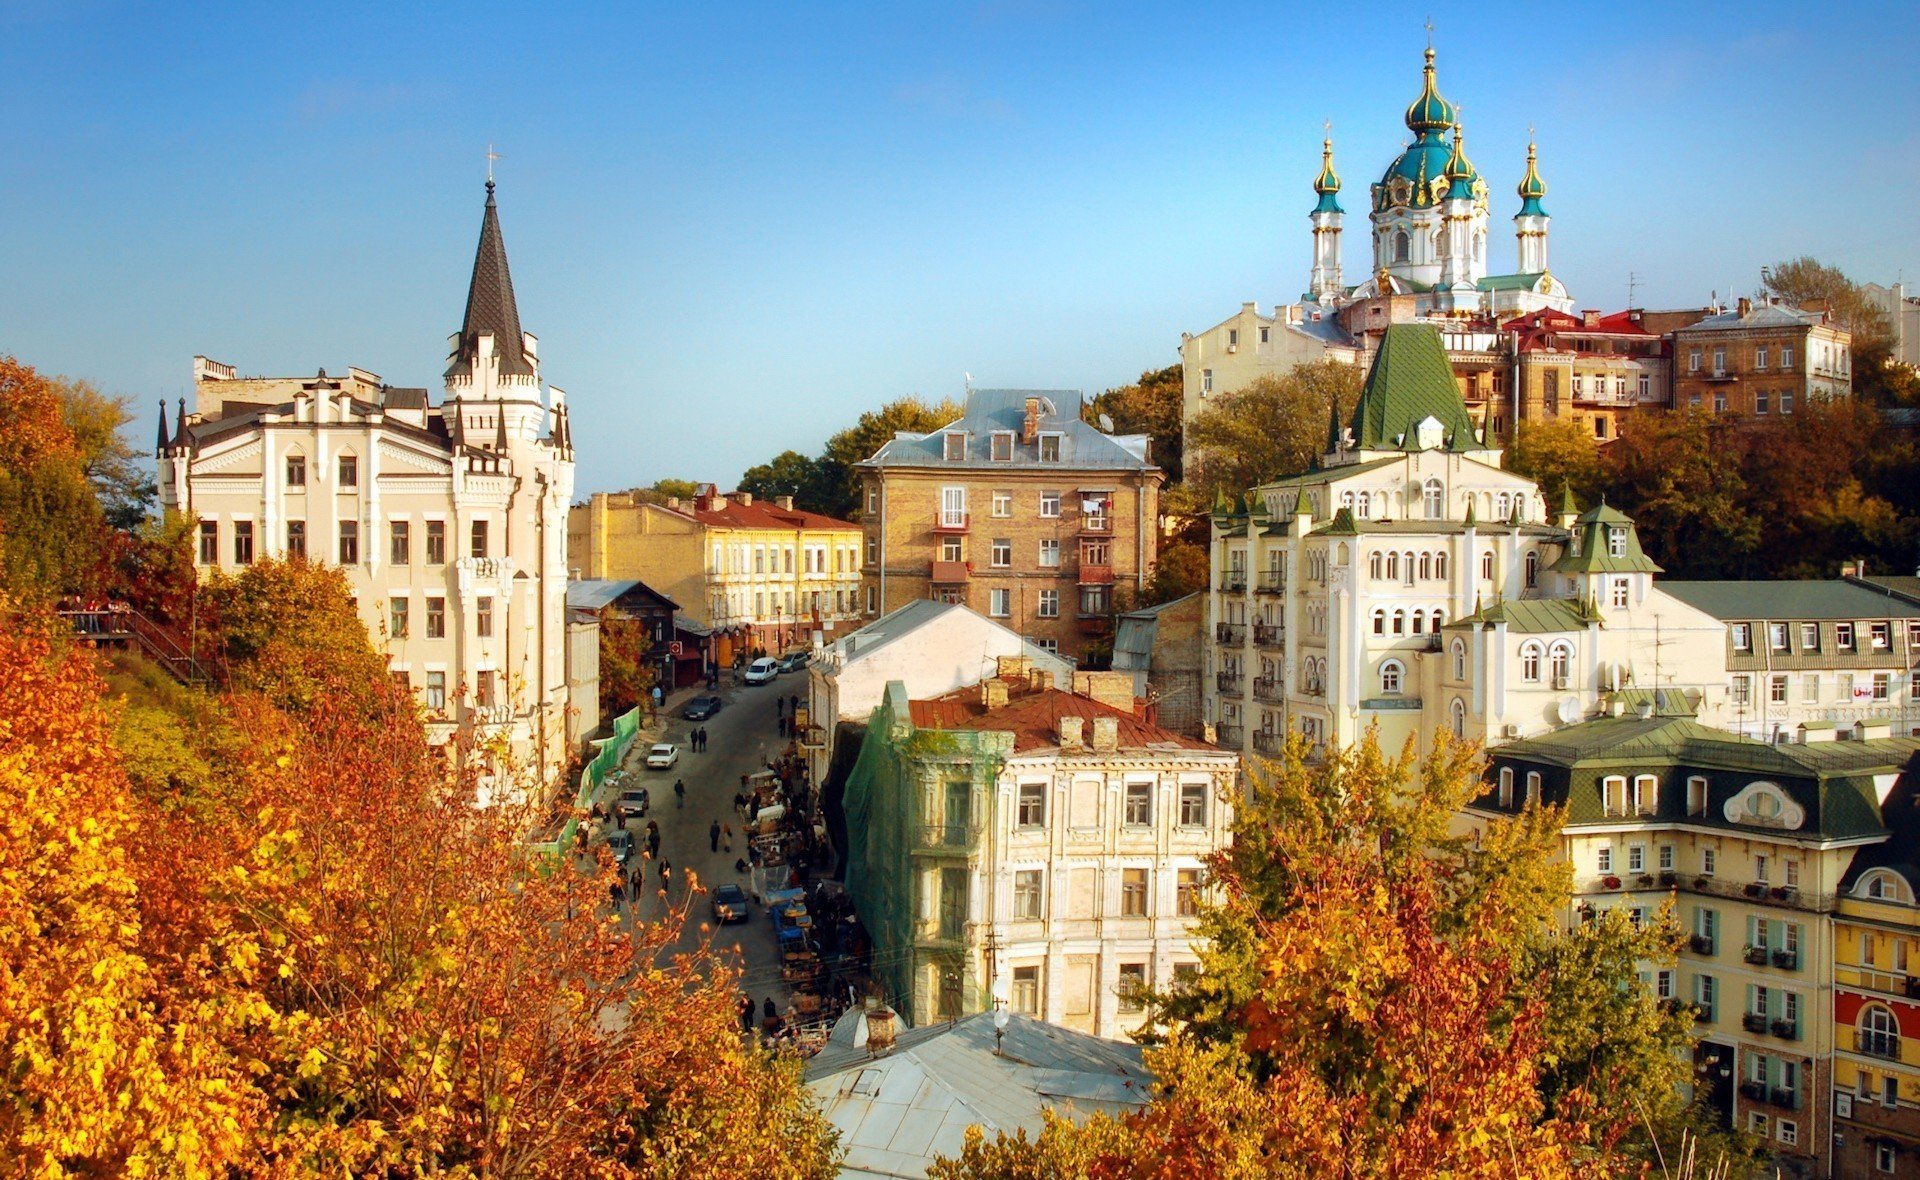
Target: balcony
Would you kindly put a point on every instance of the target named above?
(1757, 955)
(1229, 736)
(1268, 688)
(1700, 944)
(1233, 582)
(1787, 1030)
(1266, 636)
(1272, 582)
(1753, 1091)
(1096, 524)
(1095, 624)
(1718, 375)
(1874, 1043)
(1754, 1022)
(948, 837)
(1096, 575)
(950, 523)
(951, 573)
(1785, 1099)
(1232, 634)
(1787, 960)
(1269, 741)
(1228, 682)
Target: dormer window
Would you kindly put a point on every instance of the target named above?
(1002, 446)
(1616, 541)
(1050, 448)
(956, 451)
(1742, 636)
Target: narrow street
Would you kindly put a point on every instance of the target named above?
(741, 738)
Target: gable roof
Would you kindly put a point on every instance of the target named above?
(1594, 554)
(921, 613)
(989, 411)
(725, 512)
(597, 593)
(1760, 315)
(1410, 381)
(1807, 599)
(1034, 720)
(1529, 616)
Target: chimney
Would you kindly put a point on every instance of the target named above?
(673, 502)
(1030, 426)
(1746, 306)
(785, 502)
(1106, 734)
(1010, 667)
(1071, 729)
(743, 498)
(993, 693)
(1114, 689)
(1589, 317)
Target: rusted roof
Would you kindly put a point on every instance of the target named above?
(1034, 719)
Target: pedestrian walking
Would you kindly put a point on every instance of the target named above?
(713, 836)
(779, 707)
(679, 792)
(783, 727)
(666, 870)
(770, 1010)
(617, 892)
(726, 836)
(745, 1007)
(703, 739)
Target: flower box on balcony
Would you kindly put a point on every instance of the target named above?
(1669, 880)
(1757, 1091)
(1787, 959)
(1755, 889)
(1610, 882)
(1701, 944)
(1757, 955)
(1753, 1022)
(1788, 1029)
(1644, 881)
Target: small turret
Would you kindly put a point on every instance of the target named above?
(1460, 173)
(160, 439)
(1324, 284)
(1530, 224)
(1327, 184)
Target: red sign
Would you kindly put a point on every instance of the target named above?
(673, 648)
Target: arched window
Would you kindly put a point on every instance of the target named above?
(1393, 565)
(1399, 622)
(1434, 500)
(1882, 885)
(1459, 718)
(1561, 662)
(1426, 566)
(1366, 504)
(1459, 660)
(1440, 241)
(1373, 565)
(1879, 1032)
(1402, 245)
(1486, 566)
(1439, 618)
(1533, 786)
(1533, 568)
(1419, 622)
(1440, 564)
(1346, 499)
(1391, 673)
(1503, 505)
(1530, 662)
(1408, 559)
(1379, 622)
(1506, 786)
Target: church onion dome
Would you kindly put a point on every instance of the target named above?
(1532, 188)
(1430, 114)
(1460, 174)
(1328, 182)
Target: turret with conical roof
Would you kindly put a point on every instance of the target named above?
(1324, 284)
(1327, 184)
(1532, 188)
(1460, 172)
(1411, 400)
(491, 310)
(1429, 112)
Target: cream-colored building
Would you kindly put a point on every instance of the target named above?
(763, 575)
(448, 519)
(1017, 844)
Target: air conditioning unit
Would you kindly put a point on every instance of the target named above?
(1560, 683)
(1510, 730)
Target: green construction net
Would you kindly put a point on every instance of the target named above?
(612, 749)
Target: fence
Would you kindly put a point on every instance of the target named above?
(612, 749)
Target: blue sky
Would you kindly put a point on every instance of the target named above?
(736, 226)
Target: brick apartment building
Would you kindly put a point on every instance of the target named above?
(1760, 360)
(1018, 510)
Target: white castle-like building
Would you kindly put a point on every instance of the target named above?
(449, 519)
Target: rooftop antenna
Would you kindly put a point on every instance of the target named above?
(969, 381)
(1633, 280)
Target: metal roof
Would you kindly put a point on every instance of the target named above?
(1810, 599)
(596, 593)
(991, 411)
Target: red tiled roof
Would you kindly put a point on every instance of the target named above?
(1034, 719)
(1536, 328)
(761, 514)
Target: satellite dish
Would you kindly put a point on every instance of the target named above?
(1569, 710)
(1106, 423)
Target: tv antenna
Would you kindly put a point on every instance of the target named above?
(1633, 281)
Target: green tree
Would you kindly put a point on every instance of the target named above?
(790, 474)
(1275, 426)
(1180, 570)
(1151, 406)
(1678, 475)
(1558, 454)
(1878, 375)
(840, 483)
(50, 520)
(122, 476)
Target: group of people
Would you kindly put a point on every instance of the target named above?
(697, 740)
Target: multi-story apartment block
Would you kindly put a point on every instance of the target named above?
(1018, 510)
(762, 575)
(1410, 581)
(1760, 360)
(1813, 654)
(1593, 369)
(1876, 1006)
(447, 519)
(1045, 849)
(1755, 846)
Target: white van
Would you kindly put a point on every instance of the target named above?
(761, 671)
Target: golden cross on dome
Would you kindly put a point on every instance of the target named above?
(491, 157)
(1429, 32)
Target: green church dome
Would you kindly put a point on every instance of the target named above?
(1327, 184)
(1532, 188)
(1430, 112)
(1423, 165)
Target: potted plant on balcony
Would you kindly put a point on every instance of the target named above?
(1702, 882)
(1786, 958)
(1756, 1091)
(1753, 1022)
(1669, 879)
(1701, 944)
(1757, 955)
(1611, 882)
(1755, 889)
(1783, 892)
(1787, 1029)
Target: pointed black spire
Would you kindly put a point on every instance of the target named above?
(500, 433)
(160, 440)
(180, 429)
(490, 304)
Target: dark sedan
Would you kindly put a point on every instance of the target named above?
(701, 708)
(729, 904)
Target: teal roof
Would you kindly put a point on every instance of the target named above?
(1519, 282)
(1430, 112)
(1460, 171)
(1593, 550)
(1328, 182)
(1532, 188)
(1411, 380)
(1811, 599)
(1530, 616)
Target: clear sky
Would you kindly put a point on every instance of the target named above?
(735, 226)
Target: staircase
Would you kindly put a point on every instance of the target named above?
(118, 624)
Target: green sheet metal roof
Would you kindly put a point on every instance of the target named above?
(1594, 554)
(1530, 616)
(1516, 282)
(1411, 380)
(1809, 599)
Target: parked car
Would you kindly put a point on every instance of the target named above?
(761, 670)
(620, 844)
(662, 755)
(794, 661)
(701, 708)
(633, 803)
(730, 904)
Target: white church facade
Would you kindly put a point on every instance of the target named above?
(449, 519)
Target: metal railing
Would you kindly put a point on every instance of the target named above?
(1228, 682)
(1269, 636)
(1233, 633)
(1272, 583)
(119, 622)
(957, 836)
(1267, 688)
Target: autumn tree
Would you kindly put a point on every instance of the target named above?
(791, 473)
(1275, 426)
(1383, 995)
(1558, 454)
(121, 475)
(1153, 406)
(1179, 570)
(858, 442)
(50, 520)
(625, 673)
(290, 631)
(1672, 473)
